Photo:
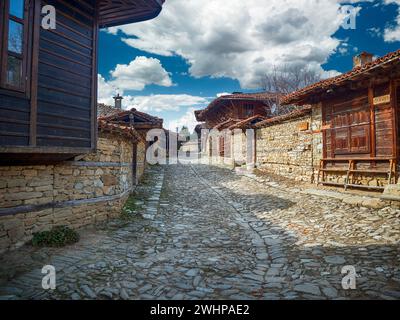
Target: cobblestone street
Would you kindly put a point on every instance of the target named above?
(201, 232)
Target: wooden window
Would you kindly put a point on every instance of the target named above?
(15, 55)
(350, 132)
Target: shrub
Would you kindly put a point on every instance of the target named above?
(58, 237)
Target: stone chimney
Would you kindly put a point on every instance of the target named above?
(118, 102)
(362, 59)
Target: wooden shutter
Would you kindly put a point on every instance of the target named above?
(351, 128)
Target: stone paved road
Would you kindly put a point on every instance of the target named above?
(211, 234)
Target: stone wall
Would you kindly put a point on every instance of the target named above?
(287, 148)
(141, 160)
(77, 193)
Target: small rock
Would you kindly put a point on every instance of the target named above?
(308, 288)
(330, 292)
(335, 260)
(89, 292)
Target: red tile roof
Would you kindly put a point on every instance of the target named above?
(289, 116)
(389, 59)
(120, 114)
(246, 124)
(125, 131)
(261, 96)
(104, 110)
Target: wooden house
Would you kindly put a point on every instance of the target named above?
(48, 77)
(235, 107)
(230, 112)
(360, 122)
(140, 122)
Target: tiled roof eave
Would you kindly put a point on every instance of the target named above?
(123, 131)
(340, 80)
(266, 96)
(307, 110)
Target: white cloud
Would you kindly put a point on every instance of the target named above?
(138, 74)
(150, 103)
(187, 120)
(163, 102)
(106, 91)
(241, 39)
(392, 33)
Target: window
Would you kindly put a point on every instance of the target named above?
(351, 130)
(14, 51)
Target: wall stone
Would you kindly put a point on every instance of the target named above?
(88, 190)
(285, 150)
(141, 160)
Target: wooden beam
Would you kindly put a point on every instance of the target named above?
(372, 120)
(48, 150)
(57, 205)
(94, 131)
(34, 73)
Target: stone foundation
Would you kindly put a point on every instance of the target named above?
(76, 193)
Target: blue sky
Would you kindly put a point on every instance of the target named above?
(182, 67)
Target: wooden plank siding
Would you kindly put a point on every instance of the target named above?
(65, 77)
(51, 115)
(355, 128)
(398, 117)
(58, 112)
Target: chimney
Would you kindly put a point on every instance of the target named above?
(362, 59)
(118, 102)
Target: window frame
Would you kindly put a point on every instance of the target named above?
(26, 55)
(349, 127)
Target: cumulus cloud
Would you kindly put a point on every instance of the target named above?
(150, 103)
(392, 33)
(137, 75)
(140, 72)
(106, 91)
(241, 39)
(163, 102)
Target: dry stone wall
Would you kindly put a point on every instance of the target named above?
(77, 193)
(287, 148)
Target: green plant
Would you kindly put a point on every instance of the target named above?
(57, 237)
(129, 209)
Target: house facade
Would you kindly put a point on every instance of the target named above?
(141, 122)
(226, 120)
(359, 123)
(59, 164)
(48, 77)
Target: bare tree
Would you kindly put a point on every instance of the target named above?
(285, 80)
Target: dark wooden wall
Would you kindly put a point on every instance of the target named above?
(384, 130)
(14, 120)
(65, 76)
(60, 114)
